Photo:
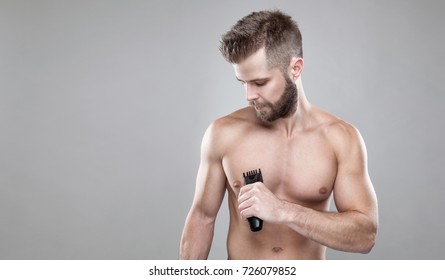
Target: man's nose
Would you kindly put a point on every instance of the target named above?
(251, 93)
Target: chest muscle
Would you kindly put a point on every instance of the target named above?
(300, 170)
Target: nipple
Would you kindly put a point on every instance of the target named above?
(237, 184)
(323, 190)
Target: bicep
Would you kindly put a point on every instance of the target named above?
(353, 189)
(210, 181)
(210, 189)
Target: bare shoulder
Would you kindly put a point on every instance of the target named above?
(343, 136)
(235, 122)
(343, 132)
(242, 116)
(223, 131)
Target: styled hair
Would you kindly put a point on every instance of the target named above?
(273, 30)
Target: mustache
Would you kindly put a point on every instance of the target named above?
(253, 103)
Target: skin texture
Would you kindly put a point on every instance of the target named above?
(305, 157)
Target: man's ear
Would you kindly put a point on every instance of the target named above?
(296, 67)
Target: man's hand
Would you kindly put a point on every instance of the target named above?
(257, 200)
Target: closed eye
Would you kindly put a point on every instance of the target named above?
(260, 83)
(256, 82)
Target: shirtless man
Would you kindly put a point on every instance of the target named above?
(305, 155)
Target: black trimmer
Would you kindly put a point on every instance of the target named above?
(256, 224)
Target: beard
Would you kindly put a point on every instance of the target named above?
(283, 108)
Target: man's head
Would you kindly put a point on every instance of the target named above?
(265, 50)
(273, 30)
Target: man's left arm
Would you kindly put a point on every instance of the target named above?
(354, 227)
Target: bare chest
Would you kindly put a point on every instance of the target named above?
(300, 170)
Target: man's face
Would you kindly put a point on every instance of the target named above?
(269, 91)
(283, 108)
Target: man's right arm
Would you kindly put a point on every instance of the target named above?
(198, 231)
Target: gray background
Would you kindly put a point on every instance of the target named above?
(103, 105)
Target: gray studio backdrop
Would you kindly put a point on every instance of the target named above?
(103, 105)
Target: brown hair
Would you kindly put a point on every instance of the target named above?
(274, 30)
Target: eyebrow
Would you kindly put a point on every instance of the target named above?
(254, 80)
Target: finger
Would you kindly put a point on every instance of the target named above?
(250, 205)
(255, 187)
(249, 191)
(245, 204)
(244, 214)
(245, 194)
(243, 198)
(249, 212)
(252, 189)
(244, 189)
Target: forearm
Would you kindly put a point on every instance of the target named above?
(349, 231)
(196, 239)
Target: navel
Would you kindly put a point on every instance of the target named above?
(323, 190)
(277, 249)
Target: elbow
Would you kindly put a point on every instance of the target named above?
(196, 237)
(368, 244)
(368, 241)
